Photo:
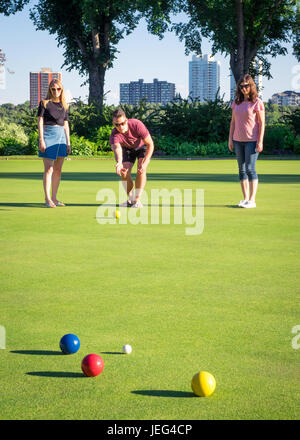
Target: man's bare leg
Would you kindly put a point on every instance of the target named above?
(140, 182)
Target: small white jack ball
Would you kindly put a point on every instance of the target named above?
(127, 349)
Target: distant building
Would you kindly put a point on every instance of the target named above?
(257, 79)
(286, 98)
(39, 83)
(158, 92)
(204, 78)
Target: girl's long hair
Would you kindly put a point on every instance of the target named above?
(239, 96)
(50, 96)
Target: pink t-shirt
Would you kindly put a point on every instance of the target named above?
(246, 126)
(133, 138)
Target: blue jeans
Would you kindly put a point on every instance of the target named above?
(246, 155)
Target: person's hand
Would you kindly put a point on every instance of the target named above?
(142, 166)
(230, 145)
(119, 168)
(124, 172)
(42, 146)
(259, 147)
(69, 149)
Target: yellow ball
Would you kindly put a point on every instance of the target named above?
(117, 214)
(203, 384)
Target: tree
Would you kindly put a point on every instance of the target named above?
(89, 31)
(243, 29)
(8, 7)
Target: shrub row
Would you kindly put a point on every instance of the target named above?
(279, 139)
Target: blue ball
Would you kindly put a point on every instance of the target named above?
(69, 344)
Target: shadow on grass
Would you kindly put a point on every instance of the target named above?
(38, 352)
(55, 374)
(163, 393)
(85, 205)
(112, 352)
(189, 177)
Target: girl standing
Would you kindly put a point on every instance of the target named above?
(246, 136)
(54, 139)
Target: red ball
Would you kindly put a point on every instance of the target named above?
(92, 365)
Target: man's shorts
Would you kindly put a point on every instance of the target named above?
(131, 154)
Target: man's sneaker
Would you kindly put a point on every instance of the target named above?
(126, 204)
(137, 204)
(242, 202)
(249, 204)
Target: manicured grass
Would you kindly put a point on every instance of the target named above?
(224, 301)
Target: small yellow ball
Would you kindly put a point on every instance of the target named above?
(117, 214)
(203, 384)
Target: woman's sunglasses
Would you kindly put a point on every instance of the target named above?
(54, 88)
(244, 86)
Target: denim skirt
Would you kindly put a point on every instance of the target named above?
(56, 143)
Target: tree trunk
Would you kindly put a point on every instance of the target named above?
(97, 68)
(237, 59)
(96, 83)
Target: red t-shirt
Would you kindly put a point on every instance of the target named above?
(133, 138)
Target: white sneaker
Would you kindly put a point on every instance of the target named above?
(249, 204)
(242, 202)
(137, 204)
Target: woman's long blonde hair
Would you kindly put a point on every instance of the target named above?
(50, 96)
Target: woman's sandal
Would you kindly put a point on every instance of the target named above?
(50, 205)
(59, 203)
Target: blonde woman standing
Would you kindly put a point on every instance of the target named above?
(246, 136)
(54, 139)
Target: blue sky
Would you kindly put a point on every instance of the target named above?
(141, 56)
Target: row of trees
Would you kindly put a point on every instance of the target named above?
(90, 30)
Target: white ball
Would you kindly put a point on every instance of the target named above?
(127, 349)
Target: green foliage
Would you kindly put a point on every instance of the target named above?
(278, 139)
(195, 121)
(10, 148)
(28, 118)
(101, 138)
(82, 147)
(183, 128)
(275, 112)
(297, 146)
(173, 146)
(293, 120)
(84, 119)
(89, 31)
(33, 143)
(12, 138)
(20, 114)
(8, 7)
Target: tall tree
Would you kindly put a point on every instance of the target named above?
(8, 7)
(242, 29)
(89, 31)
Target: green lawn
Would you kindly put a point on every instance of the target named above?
(224, 301)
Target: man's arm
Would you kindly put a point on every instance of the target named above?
(148, 141)
(117, 149)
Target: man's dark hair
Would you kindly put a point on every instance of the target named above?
(118, 113)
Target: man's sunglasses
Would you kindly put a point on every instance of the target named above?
(121, 124)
